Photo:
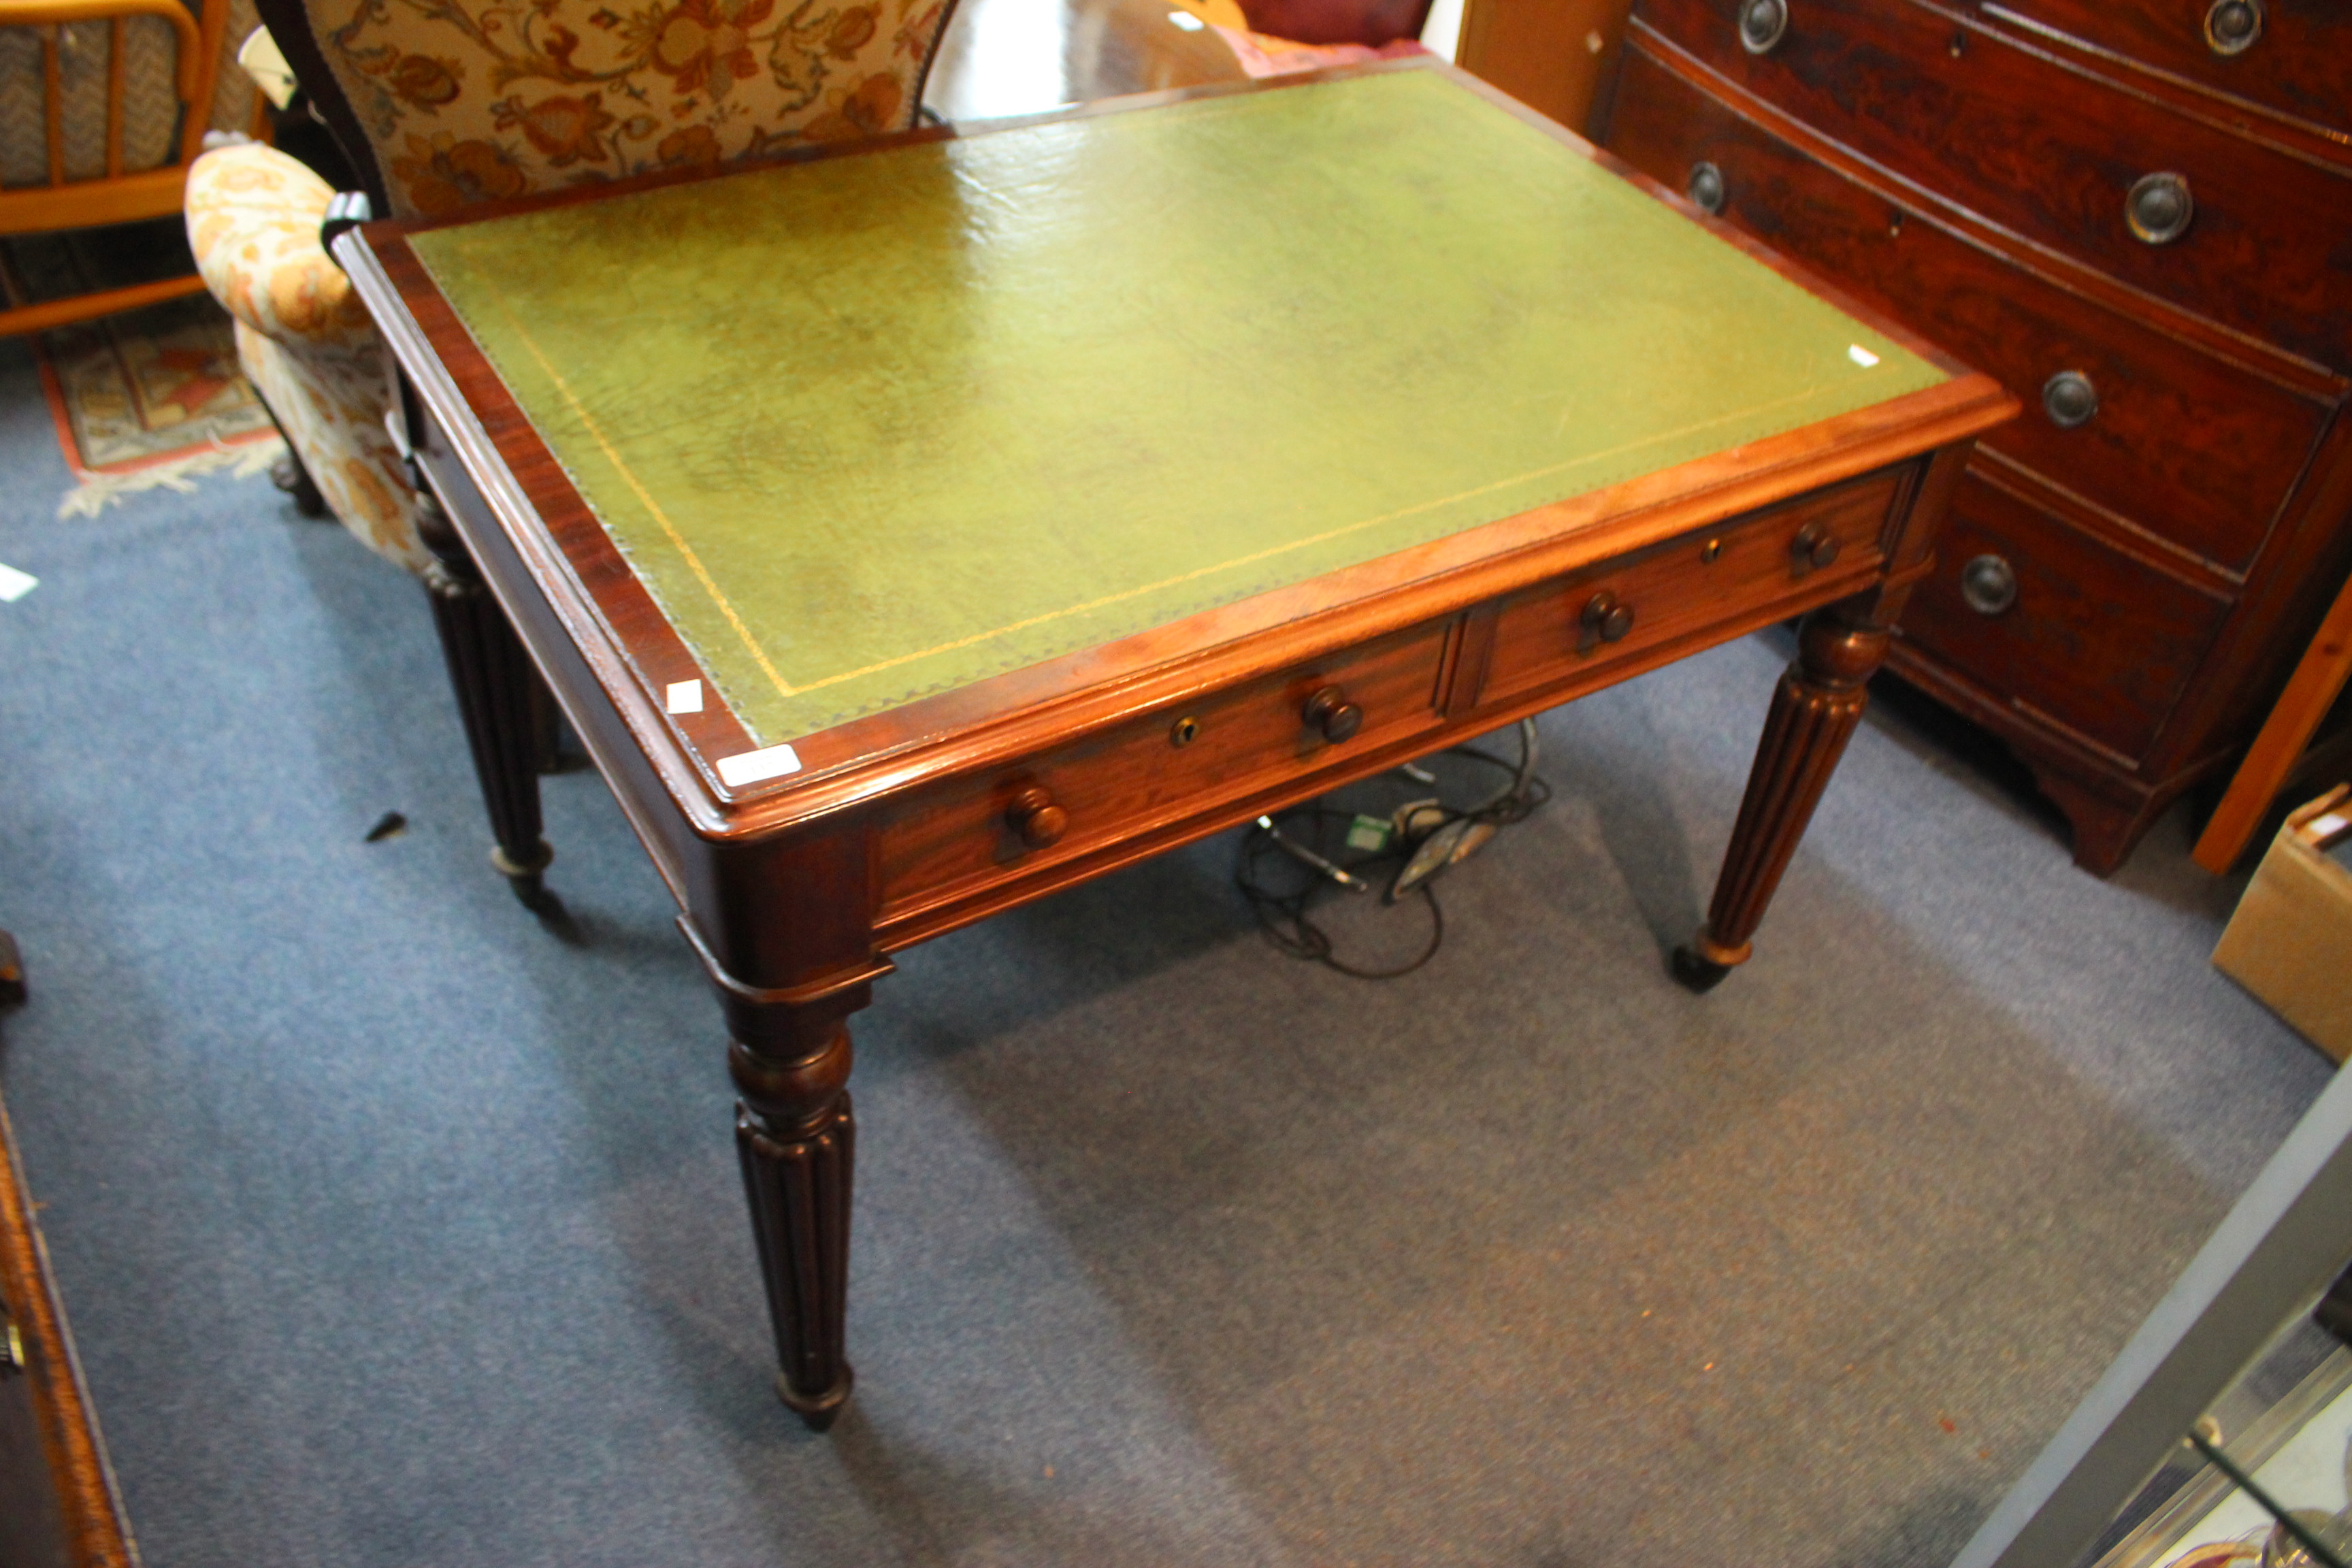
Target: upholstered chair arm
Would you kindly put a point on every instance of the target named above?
(253, 221)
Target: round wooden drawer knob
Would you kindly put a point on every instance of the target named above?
(1814, 546)
(1706, 187)
(1608, 617)
(1034, 815)
(2069, 399)
(2159, 208)
(1761, 23)
(1988, 583)
(2232, 26)
(1330, 713)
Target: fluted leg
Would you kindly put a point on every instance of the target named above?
(497, 696)
(1819, 701)
(797, 1141)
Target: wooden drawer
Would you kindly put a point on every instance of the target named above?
(2191, 448)
(2299, 64)
(2053, 152)
(1545, 637)
(960, 837)
(2099, 641)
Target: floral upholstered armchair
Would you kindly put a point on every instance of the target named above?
(440, 104)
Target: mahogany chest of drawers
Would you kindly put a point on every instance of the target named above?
(2137, 213)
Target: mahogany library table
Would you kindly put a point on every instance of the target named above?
(915, 528)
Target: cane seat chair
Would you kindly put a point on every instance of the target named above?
(104, 106)
(439, 105)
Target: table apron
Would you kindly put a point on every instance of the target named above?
(948, 852)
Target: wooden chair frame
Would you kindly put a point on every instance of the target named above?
(115, 196)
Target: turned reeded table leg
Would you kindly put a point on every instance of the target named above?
(1814, 710)
(497, 690)
(788, 1052)
(798, 1142)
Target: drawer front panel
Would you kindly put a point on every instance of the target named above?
(2299, 63)
(959, 837)
(2054, 154)
(2101, 642)
(1545, 635)
(2189, 447)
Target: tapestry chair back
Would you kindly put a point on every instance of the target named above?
(462, 102)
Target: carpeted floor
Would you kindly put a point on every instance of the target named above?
(397, 1229)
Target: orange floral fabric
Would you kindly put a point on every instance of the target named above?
(330, 402)
(468, 101)
(302, 336)
(253, 222)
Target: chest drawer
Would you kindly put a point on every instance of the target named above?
(2191, 448)
(968, 833)
(2058, 622)
(2056, 155)
(2291, 56)
(1560, 635)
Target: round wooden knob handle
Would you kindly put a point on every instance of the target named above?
(1608, 616)
(1814, 546)
(1329, 711)
(1034, 816)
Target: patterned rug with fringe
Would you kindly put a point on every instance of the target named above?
(152, 399)
(148, 399)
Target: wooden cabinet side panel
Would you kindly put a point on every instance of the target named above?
(1542, 52)
(48, 1422)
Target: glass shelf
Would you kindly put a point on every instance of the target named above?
(2287, 1424)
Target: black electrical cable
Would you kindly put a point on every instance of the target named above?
(1283, 915)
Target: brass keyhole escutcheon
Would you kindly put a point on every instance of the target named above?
(1608, 617)
(1988, 584)
(1813, 547)
(1710, 553)
(1184, 731)
(2232, 26)
(1761, 25)
(2069, 399)
(1704, 187)
(1329, 712)
(1034, 815)
(2159, 208)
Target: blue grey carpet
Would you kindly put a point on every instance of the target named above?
(398, 1230)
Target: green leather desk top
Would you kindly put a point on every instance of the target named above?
(879, 425)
